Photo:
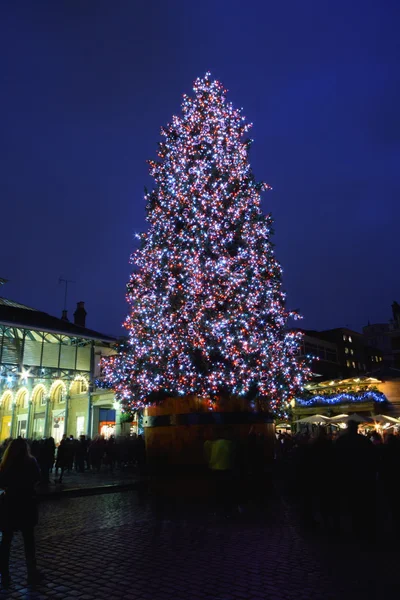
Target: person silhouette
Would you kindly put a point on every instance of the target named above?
(220, 455)
(19, 474)
(356, 464)
(321, 462)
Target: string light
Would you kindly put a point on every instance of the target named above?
(341, 398)
(207, 311)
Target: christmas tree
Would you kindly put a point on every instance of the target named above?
(207, 311)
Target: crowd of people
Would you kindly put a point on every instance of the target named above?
(342, 479)
(84, 454)
(339, 480)
(25, 463)
(333, 479)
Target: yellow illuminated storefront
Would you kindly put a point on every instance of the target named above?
(48, 370)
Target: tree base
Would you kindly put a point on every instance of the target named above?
(176, 430)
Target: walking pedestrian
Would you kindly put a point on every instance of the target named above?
(46, 458)
(96, 453)
(63, 457)
(390, 486)
(322, 494)
(110, 452)
(80, 453)
(19, 474)
(220, 455)
(356, 463)
(87, 457)
(141, 454)
(74, 446)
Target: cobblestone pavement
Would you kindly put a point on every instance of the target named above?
(122, 546)
(89, 479)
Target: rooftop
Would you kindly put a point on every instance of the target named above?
(14, 314)
(385, 373)
(7, 302)
(338, 330)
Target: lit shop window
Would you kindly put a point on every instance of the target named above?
(80, 425)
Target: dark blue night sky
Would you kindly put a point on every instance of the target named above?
(86, 85)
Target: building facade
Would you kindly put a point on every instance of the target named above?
(324, 356)
(386, 337)
(48, 368)
(355, 357)
(367, 395)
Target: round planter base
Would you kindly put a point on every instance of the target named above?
(176, 430)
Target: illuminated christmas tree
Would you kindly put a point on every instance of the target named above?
(207, 310)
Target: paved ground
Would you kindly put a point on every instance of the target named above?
(122, 545)
(75, 482)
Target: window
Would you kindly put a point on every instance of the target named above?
(40, 397)
(80, 426)
(376, 358)
(79, 386)
(38, 427)
(353, 364)
(22, 398)
(348, 363)
(21, 428)
(372, 358)
(359, 366)
(59, 395)
(346, 350)
(6, 401)
(351, 351)
(380, 359)
(344, 337)
(350, 339)
(364, 367)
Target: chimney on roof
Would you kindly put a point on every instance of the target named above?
(80, 314)
(64, 316)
